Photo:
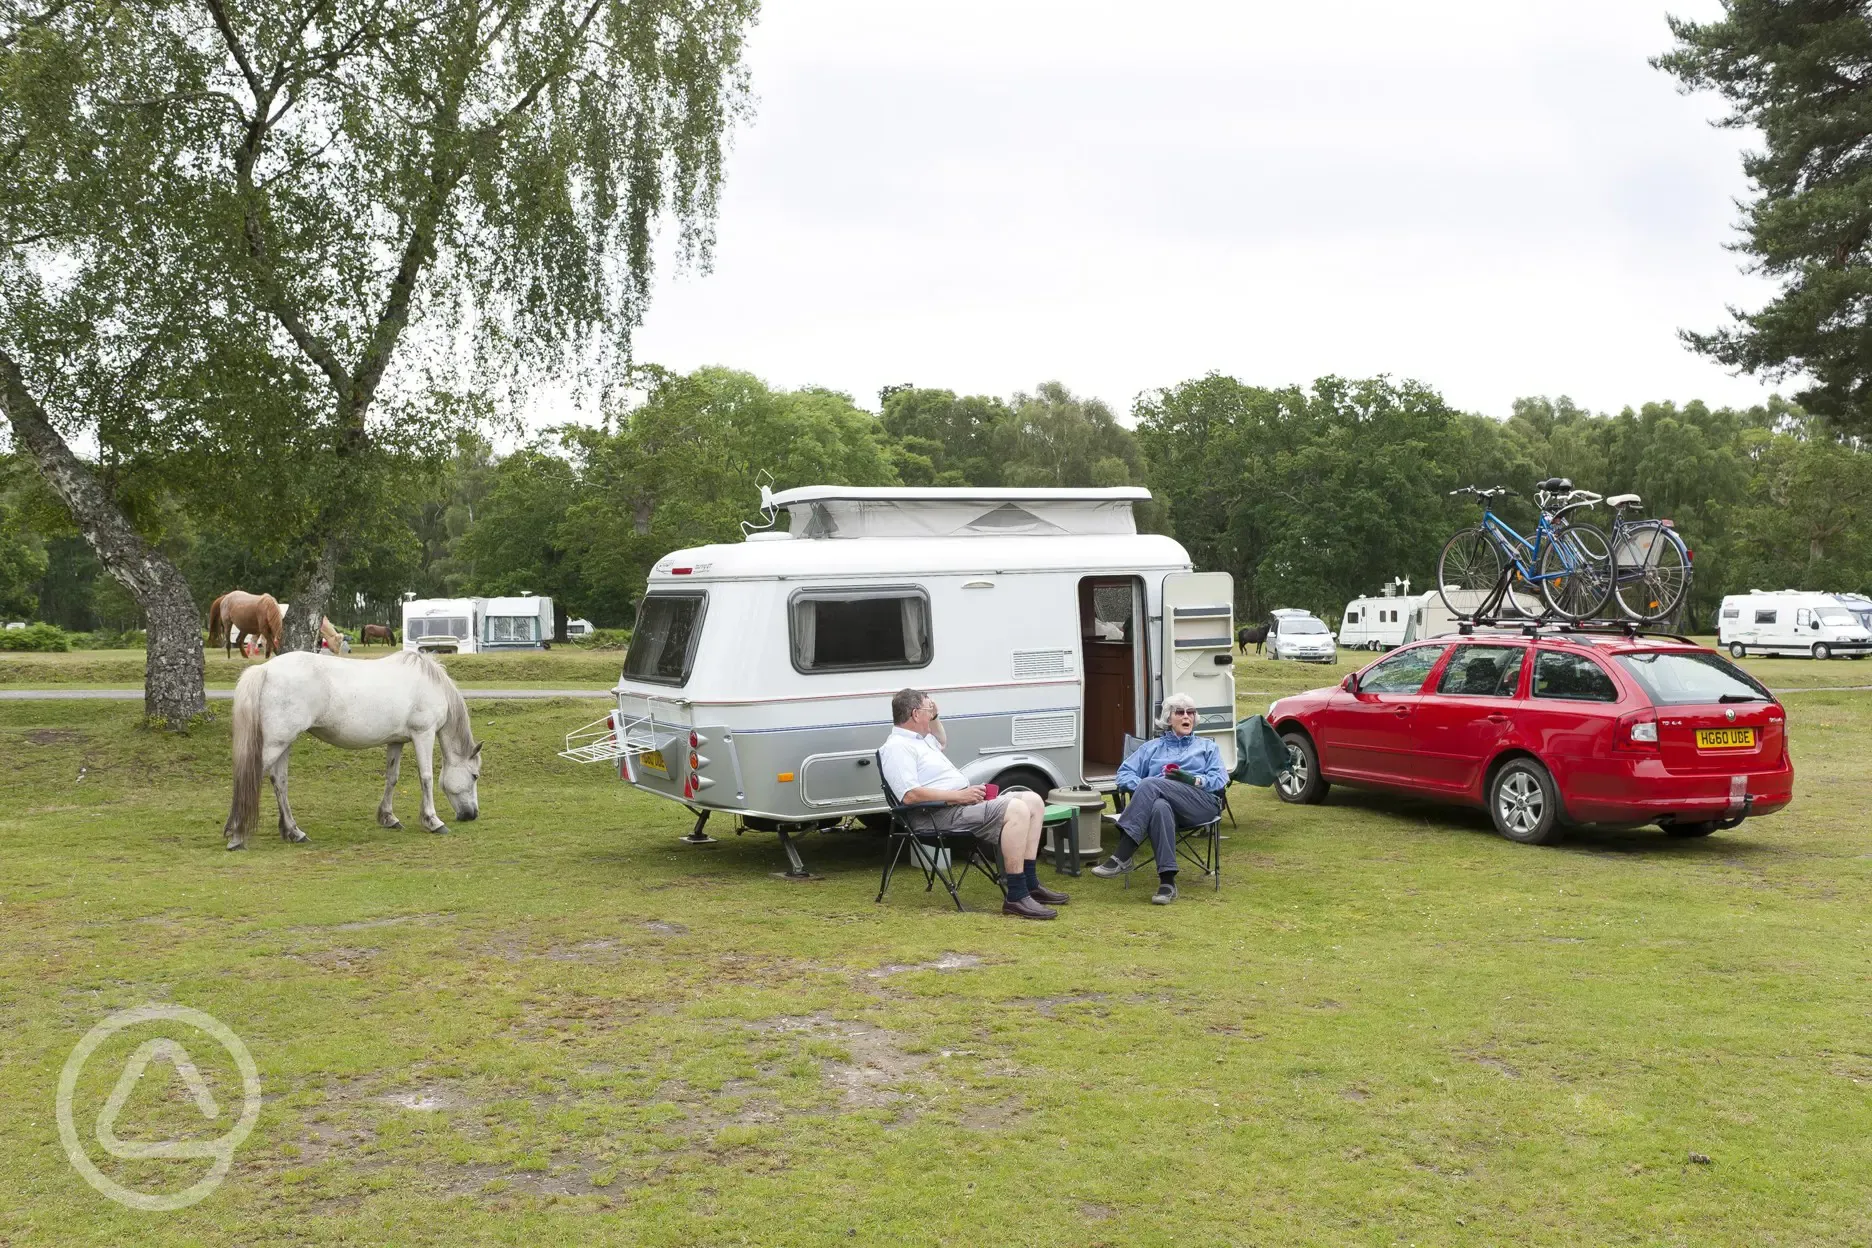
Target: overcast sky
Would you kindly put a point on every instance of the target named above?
(1499, 199)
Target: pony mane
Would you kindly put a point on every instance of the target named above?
(438, 678)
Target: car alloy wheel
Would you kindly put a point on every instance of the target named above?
(1524, 804)
(1301, 783)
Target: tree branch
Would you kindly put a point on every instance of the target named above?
(239, 53)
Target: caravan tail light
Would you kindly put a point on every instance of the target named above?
(681, 571)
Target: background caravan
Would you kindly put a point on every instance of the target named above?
(759, 675)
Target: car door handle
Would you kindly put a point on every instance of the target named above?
(1401, 712)
(1498, 718)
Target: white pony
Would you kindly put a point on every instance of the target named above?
(353, 703)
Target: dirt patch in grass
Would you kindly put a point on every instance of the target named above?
(1047, 1005)
(54, 736)
(947, 962)
(663, 927)
(877, 1062)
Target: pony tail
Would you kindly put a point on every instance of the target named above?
(248, 739)
(215, 626)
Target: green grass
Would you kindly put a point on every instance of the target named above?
(558, 1025)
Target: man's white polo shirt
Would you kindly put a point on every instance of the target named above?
(912, 761)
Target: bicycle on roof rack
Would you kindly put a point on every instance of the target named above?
(1568, 562)
(1652, 567)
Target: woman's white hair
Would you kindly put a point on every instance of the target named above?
(1175, 702)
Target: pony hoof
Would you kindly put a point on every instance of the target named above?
(234, 845)
(294, 837)
(392, 822)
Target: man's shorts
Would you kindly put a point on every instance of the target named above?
(983, 819)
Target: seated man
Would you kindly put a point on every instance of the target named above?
(1159, 805)
(917, 770)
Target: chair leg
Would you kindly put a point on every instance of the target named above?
(890, 867)
(1231, 810)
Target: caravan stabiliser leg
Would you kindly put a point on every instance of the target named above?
(697, 836)
(796, 869)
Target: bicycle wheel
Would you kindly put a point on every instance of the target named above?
(1576, 571)
(1468, 570)
(1654, 572)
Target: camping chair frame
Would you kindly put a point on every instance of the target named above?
(965, 851)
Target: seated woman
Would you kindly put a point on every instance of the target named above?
(1160, 805)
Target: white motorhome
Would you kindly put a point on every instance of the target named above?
(1379, 622)
(443, 625)
(1791, 622)
(522, 623)
(1859, 605)
(760, 673)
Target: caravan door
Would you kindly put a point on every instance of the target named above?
(1199, 651)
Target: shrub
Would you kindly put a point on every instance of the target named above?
(105, 639)
(604, 639)
(38, 637)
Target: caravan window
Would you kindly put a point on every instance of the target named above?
(420, 627)
(662, 646)
(512, 628)
(1766, 617)
(843, 630)
(1732, 613)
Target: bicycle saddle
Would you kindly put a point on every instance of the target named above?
(1623, 500)
(1555, 485)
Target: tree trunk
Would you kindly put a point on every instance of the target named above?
(311, 599)
(172, 680)
(559, 623)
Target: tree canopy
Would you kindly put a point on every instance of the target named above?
(1797, 71)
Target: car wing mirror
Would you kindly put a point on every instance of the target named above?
(1350, 683)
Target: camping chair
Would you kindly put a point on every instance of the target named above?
(1200, 845)
(933, 849)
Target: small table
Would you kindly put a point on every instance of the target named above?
(1063, 823)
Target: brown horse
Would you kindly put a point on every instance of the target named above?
(378, 632)
(238, 613)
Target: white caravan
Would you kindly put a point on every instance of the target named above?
(1379, 623)
(1791, 622)
(443, 625)
(523, 623)
(577, 627)
(760, 673)
(1430, 616)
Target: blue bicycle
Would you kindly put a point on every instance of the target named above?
(1492, 569)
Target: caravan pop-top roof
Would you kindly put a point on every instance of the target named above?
(842, 512)
(902, 557)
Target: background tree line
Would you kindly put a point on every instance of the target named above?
(1308, 496)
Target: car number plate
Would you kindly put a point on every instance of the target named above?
(652, 760)
(1725, 738)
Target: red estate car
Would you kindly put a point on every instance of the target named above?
(1549, 729)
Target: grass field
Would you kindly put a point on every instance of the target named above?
(558, 1025)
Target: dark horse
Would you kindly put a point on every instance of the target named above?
(378, 632)
(1257, 635)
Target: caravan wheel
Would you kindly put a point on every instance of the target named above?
(1822, 651)
(1024, 778)
(1737, 650)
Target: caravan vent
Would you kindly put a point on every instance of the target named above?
(1033, 730)
(1031, 663)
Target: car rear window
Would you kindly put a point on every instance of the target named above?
(1574, 677)
(662, 646)
(1483, 671)
(1682, 677)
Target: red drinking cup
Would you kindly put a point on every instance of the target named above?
(990, 791)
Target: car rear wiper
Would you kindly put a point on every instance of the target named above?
(1742, 697)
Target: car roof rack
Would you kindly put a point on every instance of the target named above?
(1631, 630)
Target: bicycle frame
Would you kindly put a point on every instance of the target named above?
(1511, 544)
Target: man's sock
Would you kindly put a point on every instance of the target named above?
(1166, 877)
(1030, 877)
(1016, 882)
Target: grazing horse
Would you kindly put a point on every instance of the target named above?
(238, 614)
(1257, 635)
(378, 632)
(406, 699)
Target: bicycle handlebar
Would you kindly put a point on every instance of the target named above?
(1493, 492)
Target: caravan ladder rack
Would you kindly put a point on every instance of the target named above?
(607, 740)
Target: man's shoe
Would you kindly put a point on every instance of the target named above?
(1112, 868)
(1027, 908)
(1048, 897)
(1166, 893)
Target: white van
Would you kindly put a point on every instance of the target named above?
(1379, 622)
(1791, 622)
(1859, 605)
(760, 673)
(443, 625)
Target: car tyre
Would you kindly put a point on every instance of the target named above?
(1822, 651)
(1302, 783)
(1524, 803)
(1737, 650)
(1702, 827)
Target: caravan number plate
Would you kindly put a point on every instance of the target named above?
(1725, 738)
(652, 760)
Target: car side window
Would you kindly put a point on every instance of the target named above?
(1403, 672)
(1573, 677)
(1483, 672)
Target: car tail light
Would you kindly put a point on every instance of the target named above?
(1638, 732)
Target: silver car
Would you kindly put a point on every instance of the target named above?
(1298, 635)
